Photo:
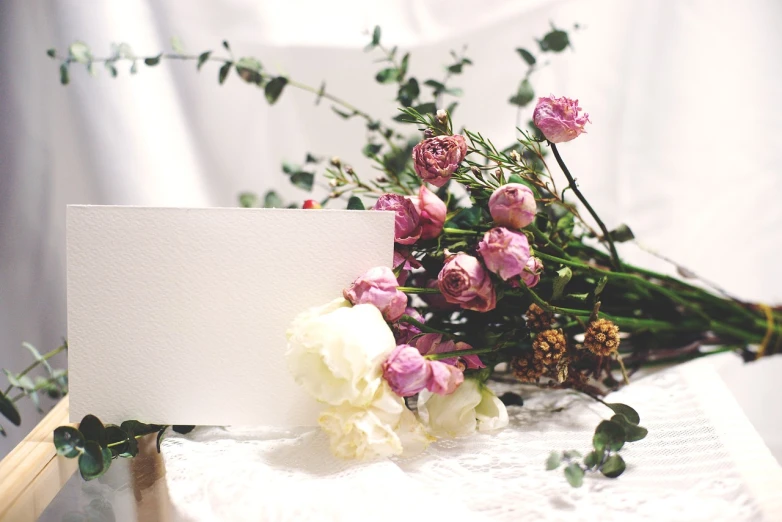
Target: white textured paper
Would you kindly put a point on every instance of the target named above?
(178, 316)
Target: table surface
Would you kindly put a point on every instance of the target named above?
(135, 489)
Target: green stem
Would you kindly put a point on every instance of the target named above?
(540, 236)
(459, 232)
(421, 326)
(457, 353)
(34, 365)
(413, 290)
(36, 388)
(606, 236)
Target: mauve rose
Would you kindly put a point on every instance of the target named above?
(407, 225)
(378, 287)
(513, 206)
(504, 252)
(558, 119)
(436, 159)
(465, 282)
(444, 378)
(406, 370)
(405, 332)
(432, 211)
(437, 301)
(432, 343)
(531, 273)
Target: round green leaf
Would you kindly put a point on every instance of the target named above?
(609, 435)
(623, 409)
(153, 60)
(613, 467)
(182, 429)
(527, 56)
(272, 200)
(524, 94)
(303, 180)
(9, 411)
(574, 475)
(633, 432)
(93, 430)
(555, 40)
(553, 461)
(117, 439)
(355, 203)
(92, 462)
(80, 52)
(274, 88)
(592, 459)
(65, 77)
(388, 75)
(68, 441)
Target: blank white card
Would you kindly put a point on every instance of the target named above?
(178, 316)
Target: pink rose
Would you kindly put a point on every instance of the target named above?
(432, 211)
(407, 225)
(558, 119)
(504, 252)
(406, 371)
(531, 273)
(378, 287)
(405, 332)
(513, 206)
(444, 378)
(404, 262)
(465, 282)
(437, 301)
(432, 343)
(436, 159)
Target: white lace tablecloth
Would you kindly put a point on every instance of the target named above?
(702, 460)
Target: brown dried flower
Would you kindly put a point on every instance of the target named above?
(538, 319)
(549, 346)
(602, 337)
(527, 369)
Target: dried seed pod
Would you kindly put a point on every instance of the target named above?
(527, 369)
(602, 337)
(549, 346)
(538, 319)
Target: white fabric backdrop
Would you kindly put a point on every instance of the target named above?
(681, 93)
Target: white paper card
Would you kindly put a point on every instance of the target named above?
(178, 316)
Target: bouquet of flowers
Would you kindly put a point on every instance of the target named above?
(495, 275)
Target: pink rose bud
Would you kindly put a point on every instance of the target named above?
(504, 252)
(405, 332)
(436, 159)
(406, 371)
(432, 211)
(407, 226)
(513, 206)
(378, 287)
(444, 378)
(531, 273)
(558, 119)
(465, 282)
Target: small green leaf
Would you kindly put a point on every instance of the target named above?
(609, 435)
(176, 45)
(93, 430)
(403, 66)
(621, 234)
(274, 89)
(223, 74)
(117, 440)
(131, 450)
(272, 200)
(408, 92)
(633, 432)
(249, 70)
(9, 411)
(226, 45)
(600, 286)
(94, 460)
(553, 461)
(571, 454)
(613, 466)
(79, 52)
(623, 409)
(290, 168)
(343, 114)
(321, 92)
(248, 200)
(160, 437)
(524, 94)
(64, 76)
(182, 429)
(51, 53)
(574, 475)
(527, 56)
(355, 203)
(426, 108)
(434, 84)
(153, 60)
(555, 41)
(92, 69)
(456, 68)
(202, 59)
(564, 275)
(112, 69)
(134, 427)
(303, 180)
(376, 36)
(371, 149)
(19, 381)
(134, 67)
(388, 75)
(311, 159)
(593, 459)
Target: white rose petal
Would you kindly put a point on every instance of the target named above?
(335, 352)
(471, 407)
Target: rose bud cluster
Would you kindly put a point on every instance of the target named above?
(513, 206)
(436, 159)
(558, 119)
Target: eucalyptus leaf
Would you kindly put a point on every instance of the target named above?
(131, 450)
(93, 460)
(111, 68)
(355, 203)
(613, 466)
(524, 94)
(303, 180)
(426, 108)
(227, 45)
(274, 88)
(79, 52)
(183, 429)
(593, 459)
(408, 92)
(564, 275)
(223, 73)
(93, 430)
(574, 475)
(159, 439)
(64, 75)
(553, 461)
(609, 435)
(621, 234)
(556, 41)
(249, 70)
(388, 75)
(371, 149)
(248, 200)
(272, 200)
(571, 454)
(633, 432)
(134, 428)
(623, 409)
(51, 53)
(202, 59)
(153, 60)
(403, 66)
(599, 287)
(176, 45)
(9, 411)
(527, 56)
(376, 35)
(321, 92)
(343, 114)
(117, 439)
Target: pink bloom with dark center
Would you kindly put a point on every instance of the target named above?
(464, 281)
(407, 223)
(436, 159)
(504, 252)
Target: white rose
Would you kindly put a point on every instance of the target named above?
(382, 429)
(335, 352)
(471, 407)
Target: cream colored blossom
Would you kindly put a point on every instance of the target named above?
(471, 407)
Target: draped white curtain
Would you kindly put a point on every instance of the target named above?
(684, 145)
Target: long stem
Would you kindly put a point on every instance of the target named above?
(458, 353)
(606, 236)
(421, 326)
(413, 290)
(34, 365)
